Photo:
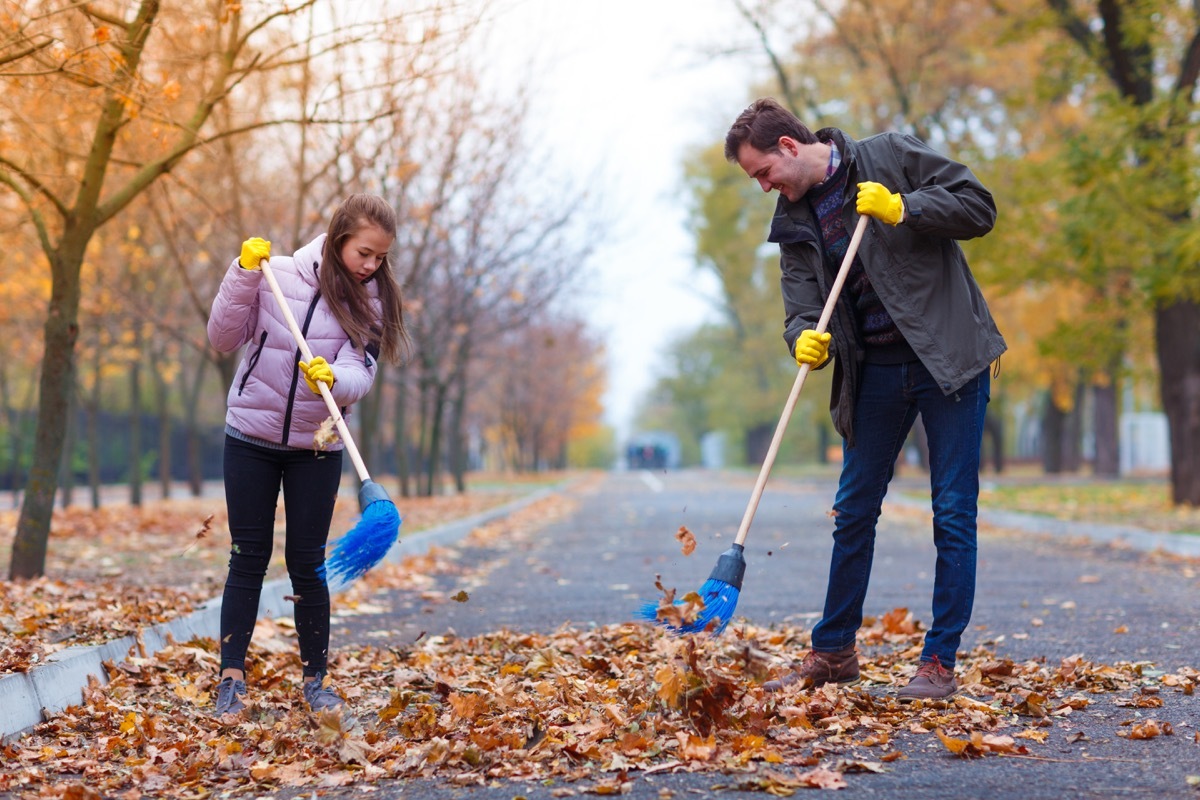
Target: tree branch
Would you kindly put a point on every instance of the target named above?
(89, 10)
(39, 188)
(33, 47)
(785, 85)
(39, 222)
(1189, 70)
(1077, 29)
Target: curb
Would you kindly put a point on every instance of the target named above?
(1137, 538)
(28, 698)
(1121, 535)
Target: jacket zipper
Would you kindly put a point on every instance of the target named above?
(253, 360)
(287, 415)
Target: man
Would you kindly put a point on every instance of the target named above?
(911, 334)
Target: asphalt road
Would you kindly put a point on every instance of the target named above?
(1038, 598)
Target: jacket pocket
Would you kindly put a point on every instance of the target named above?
(252, 360)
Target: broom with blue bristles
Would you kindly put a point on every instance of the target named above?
(368, 542)
(718, 596)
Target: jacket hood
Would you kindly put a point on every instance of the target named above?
(307, 258)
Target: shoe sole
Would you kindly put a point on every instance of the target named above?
(771, 687)
(910, 698)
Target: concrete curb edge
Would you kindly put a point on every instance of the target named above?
(1136, 538)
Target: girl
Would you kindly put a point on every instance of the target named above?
(345, 298)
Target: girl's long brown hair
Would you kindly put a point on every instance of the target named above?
(347, 297)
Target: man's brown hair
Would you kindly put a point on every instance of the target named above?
(761, 125)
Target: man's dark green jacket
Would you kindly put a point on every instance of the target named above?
(917, 267)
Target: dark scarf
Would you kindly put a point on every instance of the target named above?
(877, 331)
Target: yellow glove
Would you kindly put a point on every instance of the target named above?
(317, 370)
(253, 252)
(876, 200)
(812, 348)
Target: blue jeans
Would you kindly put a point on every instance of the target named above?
(890, 397)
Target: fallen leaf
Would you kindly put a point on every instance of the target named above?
(959, 747)
(686, 540)
(325, 435)
(1149, 730)
(696, 748)
(820, 778)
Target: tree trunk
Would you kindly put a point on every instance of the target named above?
(1053, 425)
(920, 440)
(58, 362)
(135, 428)
(758, 441)
(93, 432)
(434, 455)
(1104, 419)
(12, 416)
(16, 473)
(458, 413)
(424, 426)
(164, 433)
(993, 431)
(401, 444)
(1177, 340)
(195, 458)
(368, 424)
(16, 439)
(66, 495)
(535, 450)
(1073, 432)
(458, 439)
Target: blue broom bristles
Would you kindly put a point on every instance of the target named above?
(719, 593)
(720, 600)
(364, 546)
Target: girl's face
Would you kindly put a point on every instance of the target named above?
(364, 251)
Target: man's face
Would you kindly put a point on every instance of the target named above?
(782, 170)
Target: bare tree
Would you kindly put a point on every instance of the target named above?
(548, 384)
(482, 253)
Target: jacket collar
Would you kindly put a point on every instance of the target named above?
(789, 224)
(846, 144)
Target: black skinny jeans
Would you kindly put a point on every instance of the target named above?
(310, 481)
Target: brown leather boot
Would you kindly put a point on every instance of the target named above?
(932, 682)
(818, 669)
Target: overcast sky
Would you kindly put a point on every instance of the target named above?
(623, 92)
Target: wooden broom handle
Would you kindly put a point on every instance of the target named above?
(822, 324)
(334, 411)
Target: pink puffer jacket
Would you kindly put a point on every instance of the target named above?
(269, 398)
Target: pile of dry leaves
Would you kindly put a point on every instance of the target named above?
(116, 570)
(579, 710)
